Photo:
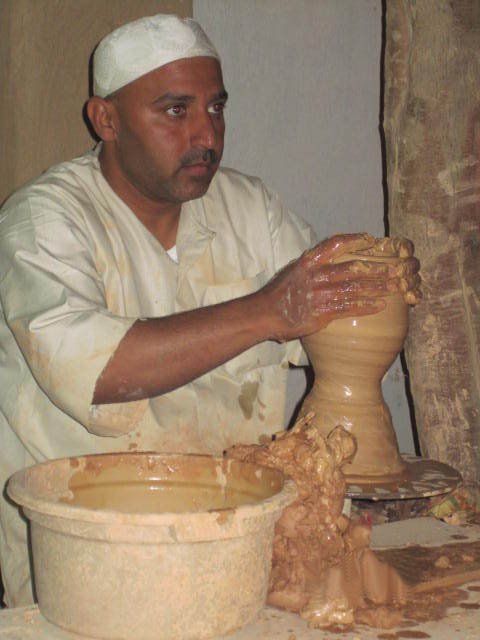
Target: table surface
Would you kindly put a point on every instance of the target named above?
(273, 624)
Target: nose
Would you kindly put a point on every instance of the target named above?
(205, 130)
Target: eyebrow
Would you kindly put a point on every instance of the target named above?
(185, 98)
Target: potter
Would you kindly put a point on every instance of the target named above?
(152, 299)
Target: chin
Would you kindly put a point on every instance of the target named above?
(197, 190)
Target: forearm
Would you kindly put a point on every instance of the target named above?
(160, 354)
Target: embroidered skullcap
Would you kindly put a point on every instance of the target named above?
(139, 47)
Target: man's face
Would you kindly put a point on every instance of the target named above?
(170, 129)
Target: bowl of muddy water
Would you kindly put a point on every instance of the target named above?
(145, 546)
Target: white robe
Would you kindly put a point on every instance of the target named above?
(77, 269)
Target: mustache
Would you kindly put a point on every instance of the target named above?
(198, 156)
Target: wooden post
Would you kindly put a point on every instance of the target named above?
(432, 130)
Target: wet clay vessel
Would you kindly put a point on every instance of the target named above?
(151, 546)
(350, 357)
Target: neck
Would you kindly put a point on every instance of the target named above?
(159, 217)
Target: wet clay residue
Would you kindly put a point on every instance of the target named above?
(167, 483)
(322, 566)
(421, 565)
(247, 397)
(426, 568)
(403, 634)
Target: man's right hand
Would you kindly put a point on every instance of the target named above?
(158, 355)
(310, 292)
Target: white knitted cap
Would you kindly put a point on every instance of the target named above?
(139, 47)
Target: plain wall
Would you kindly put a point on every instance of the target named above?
(45, 47)
(304, 84)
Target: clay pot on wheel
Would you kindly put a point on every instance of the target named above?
(350, 357)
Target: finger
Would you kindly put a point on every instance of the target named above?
(407, 267)
(415, 281)
(335, 298)
(413, 296)
(358, 289)
(411, 282)
(337, 245)
(405, 248)
(396, 246)
(352, 270)
(347, 308)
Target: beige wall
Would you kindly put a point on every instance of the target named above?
(44, 51)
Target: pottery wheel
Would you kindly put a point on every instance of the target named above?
(425, 478)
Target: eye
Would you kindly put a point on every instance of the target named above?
(176, 110)
(217, 108)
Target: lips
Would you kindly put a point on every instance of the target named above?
(199, 169)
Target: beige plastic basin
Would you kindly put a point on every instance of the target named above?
(151, 546)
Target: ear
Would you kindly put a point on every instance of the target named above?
(103, 117)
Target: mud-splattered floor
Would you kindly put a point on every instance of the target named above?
(273, 624)
(430, 550)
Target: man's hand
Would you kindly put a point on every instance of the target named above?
(161, 354)
(310, 292)
(406, 271)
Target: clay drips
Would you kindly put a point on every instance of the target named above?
(361, 588)
(322, 566)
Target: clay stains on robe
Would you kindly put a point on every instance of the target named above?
(247, 397)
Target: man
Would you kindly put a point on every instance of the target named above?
(141, 306)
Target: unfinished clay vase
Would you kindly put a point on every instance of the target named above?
(350, 357)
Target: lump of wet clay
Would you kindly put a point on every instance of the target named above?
(322, 566)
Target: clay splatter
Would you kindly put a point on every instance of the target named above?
(247, 397)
